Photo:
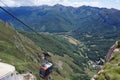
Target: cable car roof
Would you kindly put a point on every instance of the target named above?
(47, 65)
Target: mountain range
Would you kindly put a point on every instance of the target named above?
(74, 36)
(91, 25)
(59, 18)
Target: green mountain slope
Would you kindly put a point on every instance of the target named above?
(57, 44)
(18, 50)
(60, 45)
(97, 45)
(111, 69)
(97, 28)
(25, 55)
(59, 18)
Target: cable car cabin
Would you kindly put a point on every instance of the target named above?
(46, 69)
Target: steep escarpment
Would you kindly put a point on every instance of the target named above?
(111, 69)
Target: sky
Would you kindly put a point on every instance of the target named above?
(75, 3)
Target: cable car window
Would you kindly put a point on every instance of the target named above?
(51, 68)
(41, 72)
(47, 72)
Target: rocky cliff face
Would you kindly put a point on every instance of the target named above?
(111, 69)
(114, 49)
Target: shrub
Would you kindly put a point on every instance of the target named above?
(118, 43)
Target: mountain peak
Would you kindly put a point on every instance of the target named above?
(58, 5)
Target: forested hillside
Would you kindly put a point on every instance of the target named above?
(60, 18)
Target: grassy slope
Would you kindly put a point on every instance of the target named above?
(18, 50)
(21, 52)
(61, 46)
(97, 45)
(112, 69)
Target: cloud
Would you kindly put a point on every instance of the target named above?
(48, 2)
(16, 3)
(77, 4)
(117, 1)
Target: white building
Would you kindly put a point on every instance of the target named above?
(7, 72)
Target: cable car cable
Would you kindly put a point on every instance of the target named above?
(3, 3)
(13, 15)
(19, 20)
(9, 13)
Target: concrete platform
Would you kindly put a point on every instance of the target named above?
(6, 70)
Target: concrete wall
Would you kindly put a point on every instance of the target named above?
(11, 76)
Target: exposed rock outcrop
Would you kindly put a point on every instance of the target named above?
(113, 50)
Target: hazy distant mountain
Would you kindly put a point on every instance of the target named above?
(59, 18)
